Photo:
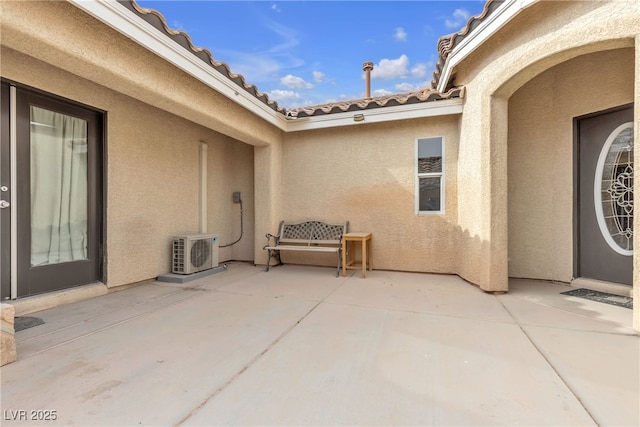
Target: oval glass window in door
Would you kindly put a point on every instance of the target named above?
(613, 190)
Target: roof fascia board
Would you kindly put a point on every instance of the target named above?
(378, 115)
(122, 20)
(492, 24)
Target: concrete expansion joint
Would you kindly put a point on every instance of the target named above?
(548, 362)
(619, 334)
(256, 358)
(422, 313)
(248, 365)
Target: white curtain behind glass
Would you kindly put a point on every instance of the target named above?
(58, 187)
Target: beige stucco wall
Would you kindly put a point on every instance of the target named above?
(541, 164)
(268, 195)
(366, 175)
(153, 176)
(540, 37)
(231, 168)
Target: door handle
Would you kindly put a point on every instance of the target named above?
(4, 204)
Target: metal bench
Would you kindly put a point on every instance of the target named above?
(310, 236)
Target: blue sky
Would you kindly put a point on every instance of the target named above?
(311, 52)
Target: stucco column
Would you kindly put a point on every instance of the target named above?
(498, 273)
(268, 182)
(482, 192)
(636, 188)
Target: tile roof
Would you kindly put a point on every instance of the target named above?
(425, 95)
(447, 43)
(445, 46)
(156, 19)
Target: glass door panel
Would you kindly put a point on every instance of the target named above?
(58, 187)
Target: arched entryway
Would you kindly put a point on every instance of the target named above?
(553, 226)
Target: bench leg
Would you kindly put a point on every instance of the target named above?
(268, 260)
(276, 253)
(339, 262)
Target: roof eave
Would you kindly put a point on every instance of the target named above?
(508, 10)
(378, 115)
(122, 20)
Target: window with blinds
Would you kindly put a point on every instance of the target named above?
(430, 175)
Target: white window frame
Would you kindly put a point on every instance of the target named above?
(440, 175)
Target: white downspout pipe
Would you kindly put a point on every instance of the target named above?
(203, 187)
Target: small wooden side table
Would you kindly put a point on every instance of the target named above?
(349, 239)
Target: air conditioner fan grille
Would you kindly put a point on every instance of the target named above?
(200, 252)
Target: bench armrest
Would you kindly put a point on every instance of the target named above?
(276, 239)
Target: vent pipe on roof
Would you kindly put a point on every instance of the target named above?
(367, 67)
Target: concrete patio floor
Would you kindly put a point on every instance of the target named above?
(298, 346)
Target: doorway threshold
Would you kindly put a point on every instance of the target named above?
(604, 297)
(48, 300)
(602, 286)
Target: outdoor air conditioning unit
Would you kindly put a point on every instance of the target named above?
(194, 253)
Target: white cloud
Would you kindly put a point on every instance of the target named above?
(459, 18)
(255, 68)
(275, 8)
(419, 71)
(177, 25)
(429, 31)
(388, 69)
(381, 92)
(285, 97)
(406, 87)
(294, 82)
(318, 76)
(264, 65)
(289, 36)
(412, 87)
(400, 35)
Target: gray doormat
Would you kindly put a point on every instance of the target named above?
(626, 302)
(22, 323)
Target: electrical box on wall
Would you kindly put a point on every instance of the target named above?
(236, 197)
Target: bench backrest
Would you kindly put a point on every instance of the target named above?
(311, 232)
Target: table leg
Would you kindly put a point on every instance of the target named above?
(364, 258)
(344, 258)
